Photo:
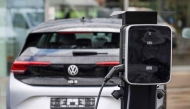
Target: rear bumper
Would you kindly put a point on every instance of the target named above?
(22, 96)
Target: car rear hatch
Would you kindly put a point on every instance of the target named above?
(56, 66)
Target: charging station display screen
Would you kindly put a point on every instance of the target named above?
(149, 54)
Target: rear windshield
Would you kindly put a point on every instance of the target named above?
(82, 40)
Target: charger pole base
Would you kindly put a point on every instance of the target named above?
(141, 97)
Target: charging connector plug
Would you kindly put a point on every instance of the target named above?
(114, 70)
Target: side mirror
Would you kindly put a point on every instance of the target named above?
(186, 33)
(148, 54)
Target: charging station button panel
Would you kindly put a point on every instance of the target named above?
(148, 53)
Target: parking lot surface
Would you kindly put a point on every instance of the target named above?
(3, 85)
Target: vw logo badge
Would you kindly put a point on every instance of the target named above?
(73, 70)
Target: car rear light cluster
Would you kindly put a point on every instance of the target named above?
(107, 63)
(19, 67)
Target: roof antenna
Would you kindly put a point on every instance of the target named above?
(83, 19)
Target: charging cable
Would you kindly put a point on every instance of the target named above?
(99, 94)
(114, 70)
(129, 95)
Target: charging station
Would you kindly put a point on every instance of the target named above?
(145, 51)
(145, 60)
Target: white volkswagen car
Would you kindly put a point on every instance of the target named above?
(63, 64)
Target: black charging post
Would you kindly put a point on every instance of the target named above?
(145, 60)
(141, 97)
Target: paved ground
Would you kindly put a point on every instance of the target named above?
(3, 86)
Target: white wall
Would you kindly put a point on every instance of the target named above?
(3, 59)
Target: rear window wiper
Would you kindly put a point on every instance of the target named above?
(85, 53)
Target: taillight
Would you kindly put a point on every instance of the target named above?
(19, 67)
(107, 63)
(32, 63)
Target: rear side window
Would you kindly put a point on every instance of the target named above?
(41, 41)
(53, 38)
(82, 40)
